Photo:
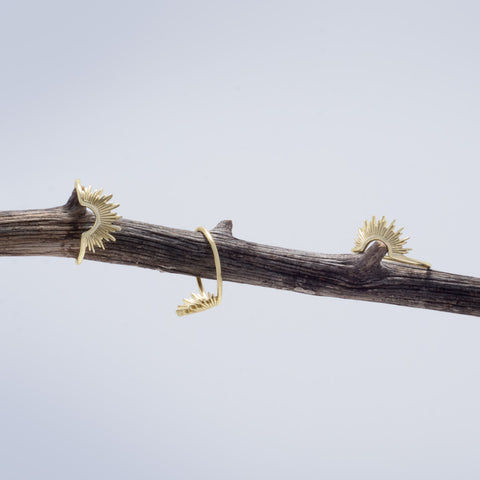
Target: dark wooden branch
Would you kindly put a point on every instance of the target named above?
(56, 232)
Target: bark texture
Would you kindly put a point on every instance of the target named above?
(57, 231)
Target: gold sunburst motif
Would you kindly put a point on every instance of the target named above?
(198, 303)
(101, 231)
(373, 230)
(204, 300)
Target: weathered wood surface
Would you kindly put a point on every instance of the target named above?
(57, 231)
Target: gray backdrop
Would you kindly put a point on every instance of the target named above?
(297, 120)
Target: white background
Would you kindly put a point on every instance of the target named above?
(297, 120)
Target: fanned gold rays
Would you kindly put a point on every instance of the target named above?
(204, 300)
(386, 234)
(103, 227)
(198, 303)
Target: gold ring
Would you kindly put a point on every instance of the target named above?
(104, 217)
(204, 300)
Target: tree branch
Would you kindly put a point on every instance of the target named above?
(57, 231)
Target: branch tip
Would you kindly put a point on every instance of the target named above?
(73, 205)
(224, 226)
(372, 257)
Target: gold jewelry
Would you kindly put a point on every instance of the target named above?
(386, 234)
(104, 218)
(203, 300)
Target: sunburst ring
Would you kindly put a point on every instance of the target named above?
(103, 227)
(381, 231)
(204, 300)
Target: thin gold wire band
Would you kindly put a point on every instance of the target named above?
(204, 300)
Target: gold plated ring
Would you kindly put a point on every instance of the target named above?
(104, 217)
(204, 300)
(386, 234)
